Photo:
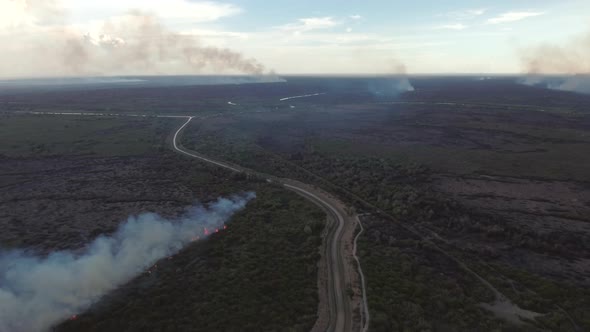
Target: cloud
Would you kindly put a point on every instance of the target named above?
(466, 14)
(355, 17)
(15, 14)
(454, 26)
(310, 24)
(172, 10)
(512, 17)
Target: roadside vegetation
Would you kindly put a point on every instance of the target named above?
(258, 275)
(86, 175)
(411, 285)
(492, 172)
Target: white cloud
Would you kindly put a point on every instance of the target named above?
(475, 12)
(309, 24)
(454, 26)
(21, 14)
(13, 13)
(512, 17)
(195, 11)
(355, 17)
(466, 14)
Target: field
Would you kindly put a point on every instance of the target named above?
(459, 178)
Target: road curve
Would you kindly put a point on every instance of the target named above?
(175, 145)
(340, 308)
(340, 317)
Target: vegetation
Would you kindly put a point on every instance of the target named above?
(491, 172)
(403, 271)
(258, 275)
(85, 175)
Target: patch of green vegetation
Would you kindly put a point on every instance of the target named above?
(563, 162)
(413, 288)
(45, 135)
(399, 299)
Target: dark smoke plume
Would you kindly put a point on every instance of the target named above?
(37, 292)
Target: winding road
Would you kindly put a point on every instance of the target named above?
(340, 309)
(338, 299)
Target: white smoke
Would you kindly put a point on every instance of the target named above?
(404, 85)
(393, 82)
(577, 83)
(564, 66)
(390, 86)
(39, 40)
(37, 292)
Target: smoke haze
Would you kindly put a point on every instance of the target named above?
(40, 43)
(37, 292)
(394, 82)
(569, 64)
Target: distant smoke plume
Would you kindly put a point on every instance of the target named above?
(393, 82)
(37, 292)
(42, 44)
(138, 42)
(560, 67)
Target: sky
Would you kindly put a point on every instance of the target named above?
(297, 37)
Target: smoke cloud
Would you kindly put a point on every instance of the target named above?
(40, 43)
(393, 83)
(37, 292)
(561, 67)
